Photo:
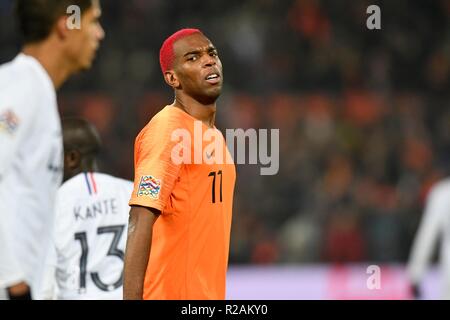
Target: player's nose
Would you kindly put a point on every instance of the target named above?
(209, 61)
(100, 32)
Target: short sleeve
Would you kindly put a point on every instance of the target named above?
(155, 171)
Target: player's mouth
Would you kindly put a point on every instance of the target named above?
(213, 78)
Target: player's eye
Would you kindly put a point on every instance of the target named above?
(192, 58)
(214, 53)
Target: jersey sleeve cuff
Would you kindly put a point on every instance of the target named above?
(149, 204)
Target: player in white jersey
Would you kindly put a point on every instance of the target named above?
(30, 133)
(91, 220)
(435, 225)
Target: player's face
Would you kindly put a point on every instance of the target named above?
(198, 68)
(85, 41)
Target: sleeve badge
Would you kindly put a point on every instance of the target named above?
(149, 186)
(9, 122)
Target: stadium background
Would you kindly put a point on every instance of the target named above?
(364, 119)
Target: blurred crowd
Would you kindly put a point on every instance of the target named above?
(364, 115)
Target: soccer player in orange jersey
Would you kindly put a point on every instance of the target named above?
(180, 218)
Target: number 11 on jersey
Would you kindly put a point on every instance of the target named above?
(213, 174)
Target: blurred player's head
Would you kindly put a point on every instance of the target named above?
(191, 65)
(81, 146)
(47, 20)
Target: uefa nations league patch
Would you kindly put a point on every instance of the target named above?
(9, 122)
(149, 186)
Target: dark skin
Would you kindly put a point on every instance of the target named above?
(75, 162)
(195, 59)
(137, 253)
(81, 142)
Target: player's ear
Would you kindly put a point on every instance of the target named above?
(171, 79)
(73, 159)
(61, 28)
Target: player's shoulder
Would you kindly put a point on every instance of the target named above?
(441, 188)
(168, 112)
(26, 74)
(68, 191)
(72, 183)
(102, 181)
(30, 81)
(112, 180)
(168, 119)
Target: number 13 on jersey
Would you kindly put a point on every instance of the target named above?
(113, 251)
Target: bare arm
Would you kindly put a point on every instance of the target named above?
(138, 250)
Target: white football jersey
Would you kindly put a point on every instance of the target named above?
(90, 236)
(435, 225)
(31, 161)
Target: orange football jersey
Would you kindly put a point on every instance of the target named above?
(190, 241)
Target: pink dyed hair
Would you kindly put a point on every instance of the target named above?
(166, 54)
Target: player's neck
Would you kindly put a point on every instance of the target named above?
(86, 165)
(51, 59)
(202, 112)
